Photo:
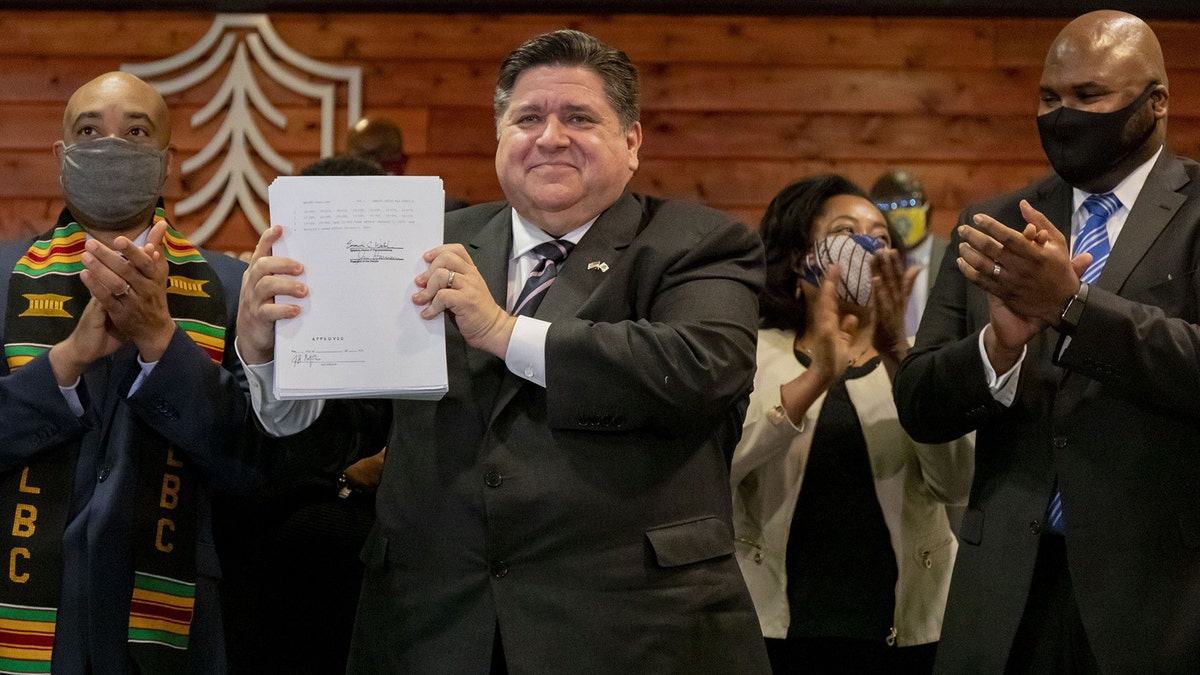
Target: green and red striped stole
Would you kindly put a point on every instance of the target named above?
(45, 299)
(161, 611)
(26, 638)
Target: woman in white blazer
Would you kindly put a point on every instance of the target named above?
(841, 529)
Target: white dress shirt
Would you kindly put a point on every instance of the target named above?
(526, 355)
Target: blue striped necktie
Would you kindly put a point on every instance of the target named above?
(1093, 238)
(550, 255)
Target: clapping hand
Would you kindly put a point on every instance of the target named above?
(892, 285)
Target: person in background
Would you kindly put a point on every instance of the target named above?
(378, 139)
(290, 550)
(343, 165)
(565, 506)
(123, 407)
(839, 520)
(1067, 332)
(902, 198)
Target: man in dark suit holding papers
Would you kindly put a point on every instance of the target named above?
(566, 504)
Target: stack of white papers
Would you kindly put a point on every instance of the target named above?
(361, 240)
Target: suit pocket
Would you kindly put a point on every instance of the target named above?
(1176, 296)
(934, 551)
(690, 541)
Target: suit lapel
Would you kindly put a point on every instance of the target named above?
(1156, 205)
(1054, 200)
(593, 258)
(489, 248)
(107, 384)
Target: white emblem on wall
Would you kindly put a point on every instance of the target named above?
(237, 179)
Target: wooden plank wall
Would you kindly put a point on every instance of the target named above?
(734, 107)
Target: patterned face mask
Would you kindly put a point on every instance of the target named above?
(853, 254)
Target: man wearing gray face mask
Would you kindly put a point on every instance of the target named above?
(1067, 334)
(122, 408)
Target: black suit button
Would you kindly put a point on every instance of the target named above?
(1035, 526)
(500, 569)
(102, 474)
(1060, 442)
(493, 479)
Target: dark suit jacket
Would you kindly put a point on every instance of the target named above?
(1116, 417)
(203, 410)
(590, 519)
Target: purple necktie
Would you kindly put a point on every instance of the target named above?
(550, 255)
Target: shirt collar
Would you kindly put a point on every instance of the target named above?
(139, 240)
(1128, 189)
(526, 235)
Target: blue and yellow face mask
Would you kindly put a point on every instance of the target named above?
(911, 222)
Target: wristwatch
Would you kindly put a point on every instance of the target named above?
(1073, 310)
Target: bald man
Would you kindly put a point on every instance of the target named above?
(1065, 333)
(378, 140)
(123, 405)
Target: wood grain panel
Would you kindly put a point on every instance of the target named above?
(26, 217)
(734, 107)
(36, 126)
(647, 39)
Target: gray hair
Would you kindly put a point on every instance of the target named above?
(622, 87)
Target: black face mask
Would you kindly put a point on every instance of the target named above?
(1082, 146)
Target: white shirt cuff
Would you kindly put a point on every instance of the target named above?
(145, 372)
(526, 355)
(278, 418)
(1003, 387)
(72, 396)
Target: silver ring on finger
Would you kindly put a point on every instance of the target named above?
(450, 280)
(124, 292)
(996, 271)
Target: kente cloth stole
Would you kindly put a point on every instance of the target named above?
(45, 299)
